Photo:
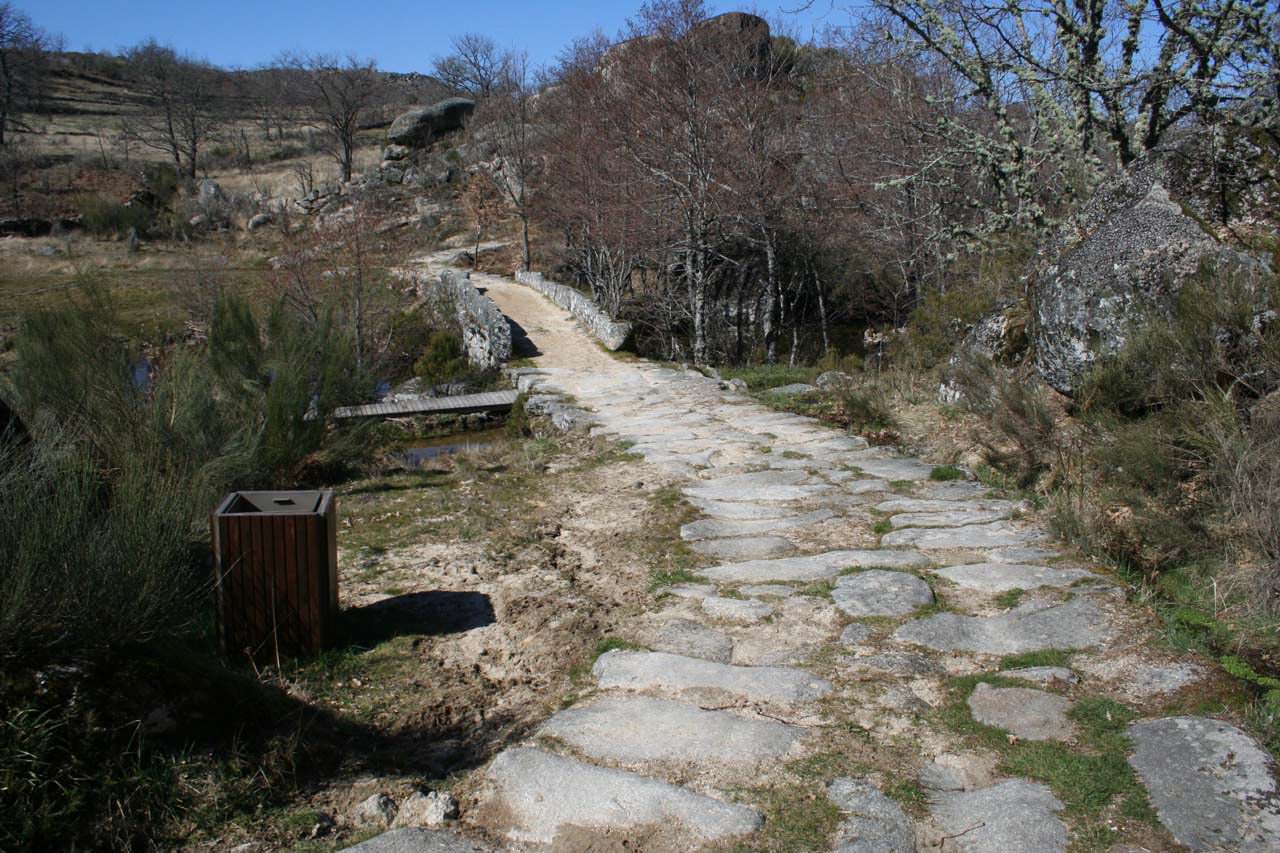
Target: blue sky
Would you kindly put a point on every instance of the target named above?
(401, 35)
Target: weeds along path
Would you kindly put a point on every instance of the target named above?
(864, 655)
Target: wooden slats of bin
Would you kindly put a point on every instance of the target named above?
(276, 578)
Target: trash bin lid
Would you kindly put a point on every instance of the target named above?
(272, 503)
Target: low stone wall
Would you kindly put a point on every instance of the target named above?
(486, 334)
(611, 333)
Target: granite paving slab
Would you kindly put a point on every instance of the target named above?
(539, 795)
(632, 670)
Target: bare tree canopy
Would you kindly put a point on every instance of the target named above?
(183, 103)
(1080, 83)
(337, 95)
(476, 65)
(508, 115)
(23, 66)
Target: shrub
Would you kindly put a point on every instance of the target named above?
(1021, 438)
(442, 359)
(104, 511)
(939, 322)
(90, 558)
(866, 408)
(833, 360)
(104, 218)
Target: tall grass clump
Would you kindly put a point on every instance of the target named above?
(91, 557)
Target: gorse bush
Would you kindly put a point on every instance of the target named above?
(102, 541)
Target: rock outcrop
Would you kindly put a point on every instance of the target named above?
(1128, 252)
(419, 127)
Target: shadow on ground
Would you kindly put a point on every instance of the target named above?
(521, 345)
(418, 613)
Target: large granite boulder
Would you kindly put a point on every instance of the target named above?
(1177, 213)
(418, 127)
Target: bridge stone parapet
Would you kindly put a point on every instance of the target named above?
(486, 334)
(611, 333)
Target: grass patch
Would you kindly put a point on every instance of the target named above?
(1010, 598)
(881, 527)
(818, 589)
(909, 795)
(667, 497)
(946, 473)
(765, 376)
(794, 454)
(660, 578)
(1093, 779)
(798, 815)
(1045, 657)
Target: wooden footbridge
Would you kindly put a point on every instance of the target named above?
(462, 404)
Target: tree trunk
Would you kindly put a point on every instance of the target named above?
(771, 301)
(524, 240)
(695, 274)
(822, 314)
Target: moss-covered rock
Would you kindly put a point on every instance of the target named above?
(1202, 203)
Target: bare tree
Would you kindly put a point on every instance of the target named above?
(337, 95)
(24, 52)
(483, 206)
(476, 65)
(509, 114)
(272, 95)
(182, 103)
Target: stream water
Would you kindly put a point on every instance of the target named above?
(414, 453)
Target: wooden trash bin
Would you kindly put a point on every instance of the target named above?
(276, 572)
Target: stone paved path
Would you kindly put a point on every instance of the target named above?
(804, 622)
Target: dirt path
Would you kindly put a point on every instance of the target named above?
(872, 656)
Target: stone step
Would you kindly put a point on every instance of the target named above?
(880, 593)
(741, 510)
(547, 799)
(949, 518)
(913, 505)
(1212, 786)
(755, 494)
(718, 528)
(736, 609)
(745, 547)
(634, 730)
(1013, 815)
(1077, 624)
(1001, 577)
(999, 534)
(894, 468)
(676, 674)
(876, 824)
(814, 566)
